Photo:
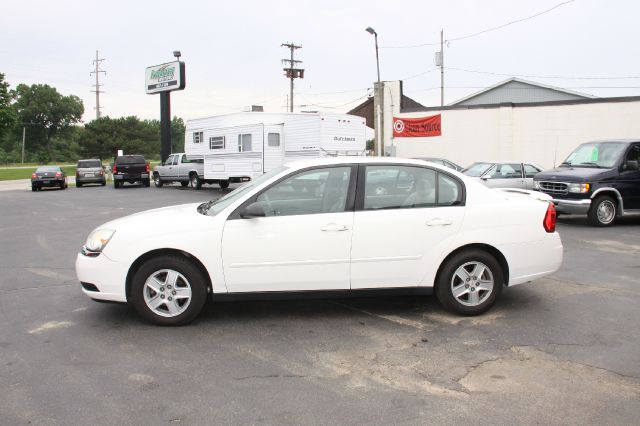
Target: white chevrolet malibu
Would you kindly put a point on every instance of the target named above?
(340, 224)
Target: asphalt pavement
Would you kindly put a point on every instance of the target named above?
(562, 350)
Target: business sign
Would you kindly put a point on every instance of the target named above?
(417, 127)
(164, 77)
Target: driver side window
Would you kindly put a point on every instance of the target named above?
(314, 191)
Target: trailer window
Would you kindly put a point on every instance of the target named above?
(244, 142)
(216, 142)
(197, 137)
(274, 139)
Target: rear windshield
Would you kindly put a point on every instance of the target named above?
(130, 159)
(47, 169)
(477, 169)
(87, 164)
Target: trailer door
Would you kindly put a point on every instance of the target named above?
(273, 147)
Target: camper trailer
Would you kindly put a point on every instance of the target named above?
(241, 146)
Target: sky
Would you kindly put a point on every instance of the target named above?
(232, 49)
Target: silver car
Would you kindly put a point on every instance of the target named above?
(90, 171)
(504, 175)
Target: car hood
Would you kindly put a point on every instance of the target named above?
(571, 174)
(163, 220)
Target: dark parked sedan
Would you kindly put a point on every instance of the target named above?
(90, 171)
(48, 176)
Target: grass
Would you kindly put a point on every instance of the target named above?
(11, 173)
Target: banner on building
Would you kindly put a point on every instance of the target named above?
(416, 127)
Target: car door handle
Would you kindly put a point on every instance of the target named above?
(436, 221)
(334, 227)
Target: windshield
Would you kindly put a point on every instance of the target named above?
(87, 164)
(604, 154)
(212, 208)
(477, 169)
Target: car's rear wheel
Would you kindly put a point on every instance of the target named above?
(116, 184)
(603, 211)
(34, 188)
(184, 184)
(469, 282)
(168, 290)
(78, 184)
(157, 181)
(146, 182)
(224, 184)
(195, 181)
(104, 182)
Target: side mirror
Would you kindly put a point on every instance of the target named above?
(631, 165)
(484, 177)
(253, 210)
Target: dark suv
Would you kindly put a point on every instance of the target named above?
(600, 179)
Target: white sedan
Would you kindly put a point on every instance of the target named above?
(323, 225)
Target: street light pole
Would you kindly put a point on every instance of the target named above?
(378, 122)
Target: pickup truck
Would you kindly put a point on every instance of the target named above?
(130, 168)
(184, 169)
(600, 179)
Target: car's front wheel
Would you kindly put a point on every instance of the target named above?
(195, 181)
(469, 282)
(603, 211)
(168, 290)
(157, 181)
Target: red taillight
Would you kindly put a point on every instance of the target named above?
(101, 172)
(34, 176)
(58, 174)
(77, 173)
(549, 221)
(115, 169)
(147, 166)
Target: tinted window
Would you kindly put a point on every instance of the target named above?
(315, 191)
(87, 164)
(505, 171)
(449, 191)
(47, 169)
(389, 187)
(530, 171)
(130, 159)
(477, 169)
(634, 153)
(596, 154)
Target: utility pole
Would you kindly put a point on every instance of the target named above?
(97, 72)
(441, 68)
(291, 72)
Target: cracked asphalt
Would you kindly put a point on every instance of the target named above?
(562, 350)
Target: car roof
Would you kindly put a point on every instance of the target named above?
(361, 159)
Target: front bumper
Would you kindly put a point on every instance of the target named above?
(107, 276)
(572, 206)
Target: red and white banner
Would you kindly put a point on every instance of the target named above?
(416, 127)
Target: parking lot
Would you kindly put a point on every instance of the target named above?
(562, 350)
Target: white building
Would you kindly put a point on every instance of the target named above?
(514, 120)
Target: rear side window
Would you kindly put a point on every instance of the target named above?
(88, 164)
(449, 191)
(130, 159)
(505, 171)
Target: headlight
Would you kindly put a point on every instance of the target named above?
(98, 239)
(536, 184)
(579, 188)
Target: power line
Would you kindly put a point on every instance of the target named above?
(482, 31)
(544, 76)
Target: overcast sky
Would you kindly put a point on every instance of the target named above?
(232, 49)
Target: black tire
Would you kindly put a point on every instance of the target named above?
(184, 184)
(116, 184)
(146, 183)
(157, 181)
(188, 270)
(104, 182)
(195, 181)
(447, 279)
(603, 211)
(224, 184)
(63, 186)
(78, 184)
(34, 188)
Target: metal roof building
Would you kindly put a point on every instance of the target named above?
(516, 91)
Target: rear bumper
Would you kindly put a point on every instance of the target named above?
(47, 183)
(572, 206)
(131, 178)
(107, 276)
(96, 179)
(532, 260)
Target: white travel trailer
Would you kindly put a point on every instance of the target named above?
(241, 146)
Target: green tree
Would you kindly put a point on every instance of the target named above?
(177, 134)
(46, 112)
(8, 116)
(103, 137)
